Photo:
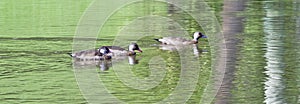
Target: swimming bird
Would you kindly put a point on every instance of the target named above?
(119, 51)
(92, 54)
(180, 40)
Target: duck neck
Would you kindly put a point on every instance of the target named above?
(130, 53)
(194, 41)
(131, 60)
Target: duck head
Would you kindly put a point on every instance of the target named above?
(132, 47)
(103, 51)
(198, 35)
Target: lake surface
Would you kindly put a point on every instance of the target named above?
(251, 55)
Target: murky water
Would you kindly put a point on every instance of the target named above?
(255, 60)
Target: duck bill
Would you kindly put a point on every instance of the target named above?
(203, 36)
(140, 50)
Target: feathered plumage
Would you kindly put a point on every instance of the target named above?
(180, 40)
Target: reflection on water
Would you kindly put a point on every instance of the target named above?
(196, 50)
(104, 65)
(260, 63)
(273, 25)
(262, 51)
(232, 26)
(274, 31)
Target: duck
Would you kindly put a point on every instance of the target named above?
(92, 54)
(119, 51)
(180, 40)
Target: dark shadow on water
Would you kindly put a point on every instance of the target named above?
(232, 26)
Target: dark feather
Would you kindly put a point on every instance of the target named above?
(157, 40)
(70, 54)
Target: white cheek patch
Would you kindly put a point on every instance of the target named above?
(102, 51)
(196, 35)
(131, 47)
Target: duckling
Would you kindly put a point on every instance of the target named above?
(180, 40)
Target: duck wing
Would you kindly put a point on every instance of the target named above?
(84, 54)
(117, 51)
(173, 40)
(114, 48)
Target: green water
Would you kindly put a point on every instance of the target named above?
(262, 62)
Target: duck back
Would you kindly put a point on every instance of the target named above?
(118, 51)
(91, 54)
